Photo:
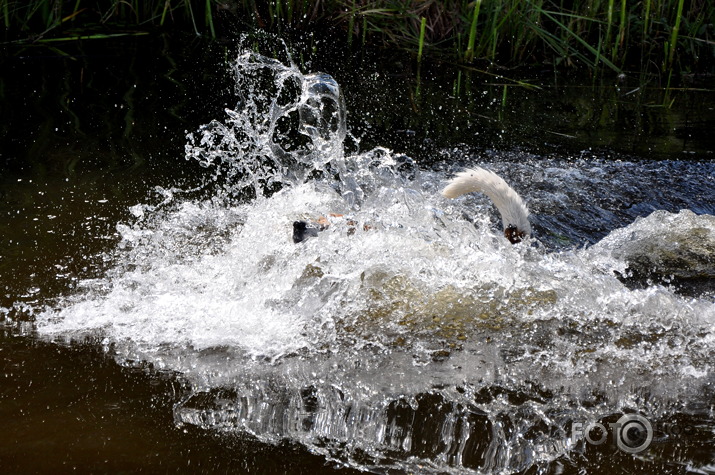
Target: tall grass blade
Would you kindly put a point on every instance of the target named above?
(364, 31)
(193, 20)
(423, 25)
(209, 19)
(674, 36)
(469, 55)
(351, 28)
(167, 5)
(99, 36)
(609, 23)
(6, 12)
(621, 32)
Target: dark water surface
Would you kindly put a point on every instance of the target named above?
(156, 318)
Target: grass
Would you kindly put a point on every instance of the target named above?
(671, 47)
(423, 26)
(649, 36)
(469, 54)
(591, 34)
(39, 21)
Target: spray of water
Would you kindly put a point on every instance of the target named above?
(404, 335)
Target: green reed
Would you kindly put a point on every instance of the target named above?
(209, 18)
(671, 47)
(423, 25)
(32, 21)
(595, 35)
(469, 54)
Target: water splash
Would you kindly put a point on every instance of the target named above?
(286, 127)
(404, 336)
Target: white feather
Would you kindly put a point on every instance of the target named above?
(510, 205)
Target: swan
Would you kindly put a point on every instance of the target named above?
(514, 213)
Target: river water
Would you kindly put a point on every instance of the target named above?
(157, 315)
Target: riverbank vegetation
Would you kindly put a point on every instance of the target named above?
(648, 36)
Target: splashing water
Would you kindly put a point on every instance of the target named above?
(404, 336)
